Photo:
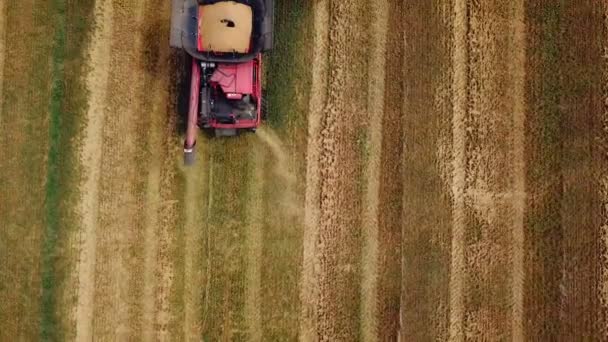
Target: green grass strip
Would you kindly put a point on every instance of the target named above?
(48, 324)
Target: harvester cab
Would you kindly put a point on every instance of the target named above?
(226, 40)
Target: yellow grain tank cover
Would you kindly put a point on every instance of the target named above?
(225, 26)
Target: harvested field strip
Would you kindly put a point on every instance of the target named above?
(375, 112)
(67, 112)
(23, 147)
(69, 125)
(151, 222)
(141, 151)
(3, 5)
(426, 135)
(175, 248)
(97, 83)
(489, 193)
(280, 249)
(581, 310)
(117, 310)
(169, 218)
(254, 237)
(603, 139)
(224, 300)
(160, 65)
(129, 204)
(543, 177)
(518, 65)
(310, 262)
(284, 139)
(154, 109)
(338, 204)
(195, 204)
(459, 99)
(390, 179)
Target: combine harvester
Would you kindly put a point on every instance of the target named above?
(226, 40)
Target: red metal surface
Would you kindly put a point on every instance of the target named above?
(254, 71)
(255, 84)
(240, 124)
(257, 87)
(235, 78)
(192, 128)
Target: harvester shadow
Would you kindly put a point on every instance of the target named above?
(180, 88)
(178, 66)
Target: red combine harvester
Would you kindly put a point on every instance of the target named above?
(226, 40)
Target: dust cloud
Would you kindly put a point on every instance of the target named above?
(283, 174)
